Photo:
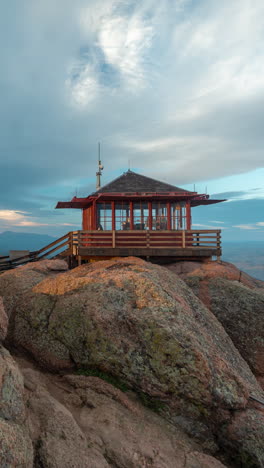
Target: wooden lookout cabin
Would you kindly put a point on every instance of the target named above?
(140, 216)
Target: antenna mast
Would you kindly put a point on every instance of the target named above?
(100, 168)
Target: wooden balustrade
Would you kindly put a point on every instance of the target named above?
(84, 244)
(199, 239)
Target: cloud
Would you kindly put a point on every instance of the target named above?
(217, 222)
(12, 216)
(174, 87)
(206, 226)
(251, 194)
(245, 226)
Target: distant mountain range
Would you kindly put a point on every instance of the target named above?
(247, 256)
(10, 240)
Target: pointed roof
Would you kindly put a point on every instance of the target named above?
(130, 182)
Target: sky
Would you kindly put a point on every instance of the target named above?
(173, 89)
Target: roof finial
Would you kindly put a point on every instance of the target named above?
(100, 168)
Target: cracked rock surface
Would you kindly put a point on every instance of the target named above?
(143, 326)
(237, 300)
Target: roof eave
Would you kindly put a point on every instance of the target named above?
(205, 202)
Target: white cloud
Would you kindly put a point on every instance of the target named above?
(29, 223)
(217, 222)
(12, 218)
(247, 227)
(206, 226)
(12, 215)
(84, 89)
(174, 86)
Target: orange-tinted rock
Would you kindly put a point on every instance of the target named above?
(142, 324)
(211, 270)
(237, 300)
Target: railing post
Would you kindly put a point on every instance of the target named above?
(113, 239)
(218, 244)
(70, 243)
(147, 239)
(183, 239)
(150, 216)
(79, 243)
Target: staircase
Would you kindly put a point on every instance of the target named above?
(49, 251)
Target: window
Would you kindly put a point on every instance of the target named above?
(141, 215)
(159, 216)
(178, 216)
(122, 216)
(104, 216)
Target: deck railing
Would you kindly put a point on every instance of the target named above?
(74, 243)
(200, 239)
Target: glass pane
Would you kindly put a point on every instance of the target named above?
(104, 217)
(178, 216)
(159, 216)
(141, 215)
(122, 216)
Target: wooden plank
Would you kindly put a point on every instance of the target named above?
(200, 242)
(151, 231)
(95, 241)
(200, 237)
(52, 250)
(53, 243)
(96, 235)
(130, 236)
(191, 231)
(162, 241)
(156, 252)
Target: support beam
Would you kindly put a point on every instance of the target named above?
(113, 215)
(94, 216)
(188, 215)
(169, 216)
(150, 215)
(131, 216)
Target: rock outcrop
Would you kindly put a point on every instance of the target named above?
(3, 321)
(237, 300)
(142, 324)
(84, 422)
(14, 283)
(15, 445)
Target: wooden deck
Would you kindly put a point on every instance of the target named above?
(191, 243)
(77, 246)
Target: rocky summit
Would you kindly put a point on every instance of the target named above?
(123, 363)
(237, 300)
